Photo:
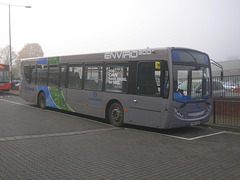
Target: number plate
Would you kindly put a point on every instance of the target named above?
(195, 123)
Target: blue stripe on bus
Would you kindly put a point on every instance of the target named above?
(41, 61)
(95, 102)
(49, 101)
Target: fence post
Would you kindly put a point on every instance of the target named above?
(214, 112)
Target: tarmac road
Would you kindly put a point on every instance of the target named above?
(48, 144)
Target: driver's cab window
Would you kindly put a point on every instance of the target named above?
(181, 82)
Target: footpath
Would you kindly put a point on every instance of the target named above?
(14, 92)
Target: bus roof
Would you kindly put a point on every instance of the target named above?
(125, 55)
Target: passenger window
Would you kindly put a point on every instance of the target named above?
(149, 78)
(116, 78)
(75, 77)
(93, 75)
(28, 73)
(53, 75)
(42, 74)
(63, 75)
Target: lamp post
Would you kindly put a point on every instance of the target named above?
(10, 44)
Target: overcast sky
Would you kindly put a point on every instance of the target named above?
(64, 27)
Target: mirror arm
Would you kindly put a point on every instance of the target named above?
(218, 65)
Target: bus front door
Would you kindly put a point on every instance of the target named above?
(146, 111)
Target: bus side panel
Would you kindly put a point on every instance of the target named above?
(94, 103)
(49, 100)
(28, 92)
(5, 86)
(91, 103)
(54, 97)
(146, 111)
(77, 100)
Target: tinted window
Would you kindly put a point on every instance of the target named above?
(93, 77)
(63, 76)
(4, 76)
(28, 73)
(189, 56)
(149, 79)
(75, 77)
(42, 74)
(53, 76)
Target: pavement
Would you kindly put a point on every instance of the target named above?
(14, 92)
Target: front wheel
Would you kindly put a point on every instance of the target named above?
(115, 114)
(42, 100)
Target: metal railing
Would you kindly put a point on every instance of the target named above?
(231, 86)
(226, 107)
(226, 112)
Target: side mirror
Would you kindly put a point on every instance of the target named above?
(219, 66)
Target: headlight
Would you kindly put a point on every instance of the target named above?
(178, 113)
(208, 109)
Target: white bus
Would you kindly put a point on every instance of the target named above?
(140, 87)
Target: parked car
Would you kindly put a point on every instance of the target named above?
(218, 89)
(229, 85)
(16, 84)
(237, 89)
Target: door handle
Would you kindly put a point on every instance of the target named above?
(135, 101)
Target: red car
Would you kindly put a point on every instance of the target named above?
(237, 89)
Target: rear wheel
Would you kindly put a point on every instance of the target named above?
(42, 100)
(115, 114)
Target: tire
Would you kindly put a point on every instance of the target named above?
(42, 100)
(115, 114)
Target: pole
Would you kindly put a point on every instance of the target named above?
(10, 46)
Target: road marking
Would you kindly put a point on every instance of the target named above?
(179, 137)
(16, 103)
(194, 138)
(91, 131)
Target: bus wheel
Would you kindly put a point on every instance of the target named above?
(42, 100)
(115, 114)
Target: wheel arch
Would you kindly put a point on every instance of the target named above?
(108, 106)
(41, 91)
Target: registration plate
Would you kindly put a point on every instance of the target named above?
(195, 123)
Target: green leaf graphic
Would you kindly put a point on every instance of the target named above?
(58, 99)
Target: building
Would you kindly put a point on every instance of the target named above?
(230, 68)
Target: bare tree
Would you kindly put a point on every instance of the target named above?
(31, 50)
(4, 55)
